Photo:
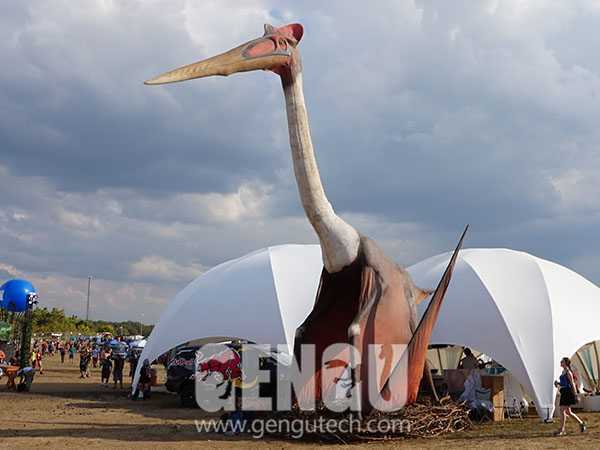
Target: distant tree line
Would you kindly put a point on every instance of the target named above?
(55, 321)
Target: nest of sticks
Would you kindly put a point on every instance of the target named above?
(431, 420)
(420, 420)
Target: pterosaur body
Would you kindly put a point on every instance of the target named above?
(364, 298)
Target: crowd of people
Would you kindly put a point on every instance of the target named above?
(110, 355)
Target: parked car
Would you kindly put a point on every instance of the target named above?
(180, 374)
(221, 362)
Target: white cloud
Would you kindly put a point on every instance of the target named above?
(11, 270)
(78, 221)
(109, 300)
(205, 22)
(579, 190)
(157, 268)
(250, 201)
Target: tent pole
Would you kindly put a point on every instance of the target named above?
(595, 344)
(585, 369)
(439, 355)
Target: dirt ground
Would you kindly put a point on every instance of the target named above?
(63, 410)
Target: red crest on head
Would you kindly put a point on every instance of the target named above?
(293, 31)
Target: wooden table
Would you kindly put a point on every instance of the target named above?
(11, 374)
(495, 383)
(455, 379)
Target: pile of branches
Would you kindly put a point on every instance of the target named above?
(420, 420)
(430, 420)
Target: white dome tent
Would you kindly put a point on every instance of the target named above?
(523, 311)
(262, 297)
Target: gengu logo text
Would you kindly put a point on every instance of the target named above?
(261, 378)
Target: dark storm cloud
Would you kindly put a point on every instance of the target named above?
(88, 130)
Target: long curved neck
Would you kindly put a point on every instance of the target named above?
(339, 241)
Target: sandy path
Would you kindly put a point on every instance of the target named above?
(65, 411)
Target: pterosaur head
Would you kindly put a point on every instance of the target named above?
(275, 51)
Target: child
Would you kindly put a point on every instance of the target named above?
(145, 380)
(38, 361)
(95, 355)
(106, 365)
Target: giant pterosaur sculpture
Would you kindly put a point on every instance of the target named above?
(364, 298)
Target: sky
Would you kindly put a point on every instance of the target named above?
(425, 116)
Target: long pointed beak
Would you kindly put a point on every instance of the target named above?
(258, 54)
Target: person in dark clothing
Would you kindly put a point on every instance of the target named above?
(63, 352)
(133, 362)
(84, 361)
(469, 361)
(118, 370)
(106, 366)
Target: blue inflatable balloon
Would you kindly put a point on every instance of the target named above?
(17, 295)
